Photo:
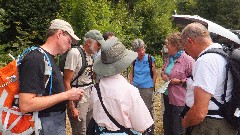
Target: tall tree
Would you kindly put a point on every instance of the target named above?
(102, 15)
(27, 22)
(155, 18)
(85, 15)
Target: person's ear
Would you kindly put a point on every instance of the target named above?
(59, 33)
(88, 42)
(190, 40)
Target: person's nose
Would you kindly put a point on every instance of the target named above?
(69, 47)
(142, 52)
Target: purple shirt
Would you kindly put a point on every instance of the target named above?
(181, 70)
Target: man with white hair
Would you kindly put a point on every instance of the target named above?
(208, 79)
(79, 112)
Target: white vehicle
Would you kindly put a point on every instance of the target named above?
(218, 33)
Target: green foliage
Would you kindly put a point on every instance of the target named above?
(126, 28)
(3, 14)
(155, 19)
(86, 15)
(159, 61)
(187, 7)
(24, 23)
(222, 12)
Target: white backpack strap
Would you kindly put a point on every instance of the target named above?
(14, 123)
(48, 69)
(6, 130)
(3, 97)
(2, 101)
(1, 125)
(37, 123)
(6, 121)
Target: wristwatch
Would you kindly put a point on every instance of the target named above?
(181, 81)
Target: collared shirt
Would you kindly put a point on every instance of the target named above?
(209, 73)
(181, 70)
(74, 63)
(123, 102)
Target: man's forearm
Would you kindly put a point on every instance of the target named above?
(193, 117)
(30, 102)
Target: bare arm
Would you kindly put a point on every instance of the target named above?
(199, 110)
(68, 75)
(29, 102)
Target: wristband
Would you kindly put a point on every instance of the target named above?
(181, 81)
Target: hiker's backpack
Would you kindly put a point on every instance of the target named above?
(150, 65)
(62, 61)
(12, 121)
(229, 110)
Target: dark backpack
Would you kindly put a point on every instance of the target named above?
(229, 109)
(62, 60)
(150, 65)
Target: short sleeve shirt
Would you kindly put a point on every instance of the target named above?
(31, 78)
(141, 76)
(74, 62)
(209, 73)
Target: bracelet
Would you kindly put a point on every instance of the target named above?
(181, 81)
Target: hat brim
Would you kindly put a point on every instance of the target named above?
(75, 38)
(116, 67)
(102, 42)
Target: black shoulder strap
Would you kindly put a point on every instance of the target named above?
(133, 64)
(83, 55)
(150, 65)
(105, 109)
(225, 53)
(220, 51)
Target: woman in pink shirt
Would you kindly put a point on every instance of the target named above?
(177, 68)
(121, 99)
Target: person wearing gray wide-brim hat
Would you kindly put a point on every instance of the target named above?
(115, 58)
(121, 99)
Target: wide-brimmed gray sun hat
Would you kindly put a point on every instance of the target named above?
(115, 58)
(138, 43)
(65, 26)
(95, 35)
